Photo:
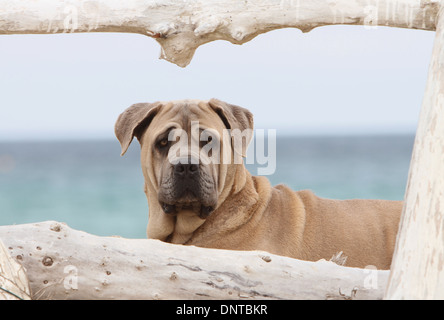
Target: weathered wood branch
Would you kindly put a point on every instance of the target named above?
(181, 27)
(63, 263)
(13, 281)
(418, 263)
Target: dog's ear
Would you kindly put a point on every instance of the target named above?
(133, 121)
(235, 117)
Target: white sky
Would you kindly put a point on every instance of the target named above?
(336, 79)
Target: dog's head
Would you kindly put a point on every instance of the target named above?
(188, 148)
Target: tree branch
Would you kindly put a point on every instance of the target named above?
(181, 27)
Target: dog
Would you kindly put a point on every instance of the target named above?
(219, 204)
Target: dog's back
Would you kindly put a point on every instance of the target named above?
(364, 230)
(303, 226)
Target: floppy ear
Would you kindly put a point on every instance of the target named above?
(235, 117)
(133, 122)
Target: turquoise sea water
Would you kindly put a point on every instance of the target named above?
(90, 187)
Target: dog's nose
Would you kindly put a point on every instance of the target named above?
(186, 169)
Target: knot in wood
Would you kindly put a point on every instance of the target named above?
(47, 261)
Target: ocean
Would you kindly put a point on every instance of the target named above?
(89, 186)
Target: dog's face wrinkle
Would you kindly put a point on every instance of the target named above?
(172, 189)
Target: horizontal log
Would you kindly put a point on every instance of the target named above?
(181, 27)
(63, 263)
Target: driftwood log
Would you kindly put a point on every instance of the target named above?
(63, 263)
(418, 264)
(180, 27)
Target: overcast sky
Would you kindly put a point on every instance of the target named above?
(336, 79)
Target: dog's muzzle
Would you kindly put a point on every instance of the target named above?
(186, 191)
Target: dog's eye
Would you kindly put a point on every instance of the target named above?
(210, 138)
(162, 143)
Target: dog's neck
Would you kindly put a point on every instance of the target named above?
(242, 206)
